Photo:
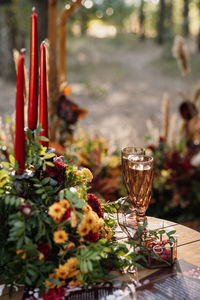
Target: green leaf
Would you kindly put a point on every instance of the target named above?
(49, 163)
(12, 159)
(54, 281)
(20, 243)
(161, 231)
(45, 180)
(171, 232)
(43, 138)
(49, 156)
(40, 191)
(61, 195)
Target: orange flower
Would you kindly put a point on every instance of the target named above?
(75, 283)
(73, 219)
(87, 174)
(48, 283)
(56, 211)
(70, 246)
(86, 208)
(62, 272)
(91, 219)
(71, 265)
(60, 236)
(65, 203)
(23, 256)
(83, 228)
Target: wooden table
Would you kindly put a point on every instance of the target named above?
(188, 242)
(188, 246)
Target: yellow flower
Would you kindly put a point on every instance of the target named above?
(50, 284)
(88, 174)
(109, 233)
(81, 247)
(83, 228)
(73, 219)
(62, 272)
(98, 225)
(165, 173)
(86, 208)
(69, 247)
(60, 236)
(91, 219)
(113, 161)
(65, 203)
(56, 211)
(23, 256)
(72, 263)
(75, 283)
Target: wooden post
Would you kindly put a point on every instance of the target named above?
(53, 90)
(52, 18)
(67, 11)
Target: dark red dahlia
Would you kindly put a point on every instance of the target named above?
(45, 249)
(94, 202)
(57, 172)
(54, 294)
(66, 214)
(92, 237)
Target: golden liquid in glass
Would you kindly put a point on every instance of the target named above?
(140, 185)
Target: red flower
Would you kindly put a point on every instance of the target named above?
(54, 294)
(45, 249)
(66, 214)
(94, 202)
(161, 139)
(26, 209)
(92, 237)
(151, 147)
(57, 172)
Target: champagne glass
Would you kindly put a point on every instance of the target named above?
(140, 174)
(125, 154)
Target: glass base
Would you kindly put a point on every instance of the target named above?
(127, 218)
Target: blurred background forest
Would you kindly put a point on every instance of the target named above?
(159, 20)
(119, 54)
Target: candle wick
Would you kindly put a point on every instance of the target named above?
(43, 43)
(33, 9)
(23, 50)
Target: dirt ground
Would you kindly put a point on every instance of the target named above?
(121, 82)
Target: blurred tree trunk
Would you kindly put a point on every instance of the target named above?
(198, 37)
(42, 12)
(8, 41)
(186, 17)
(161, 22)
(142, 20)
(169, 16)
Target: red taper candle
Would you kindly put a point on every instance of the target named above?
(33, 82)
(19, 125)
(43, 95)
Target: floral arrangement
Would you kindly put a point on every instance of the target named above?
(53, 232)
(93, 152)
(177, 154)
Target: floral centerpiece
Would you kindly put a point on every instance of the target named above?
(53, 232)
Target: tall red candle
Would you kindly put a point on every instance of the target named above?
(19, 129)
(43, 95)
(33, 83)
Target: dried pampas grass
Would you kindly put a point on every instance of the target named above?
(173, 131)
(180, 52)
(165, 117)
(196, 96)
